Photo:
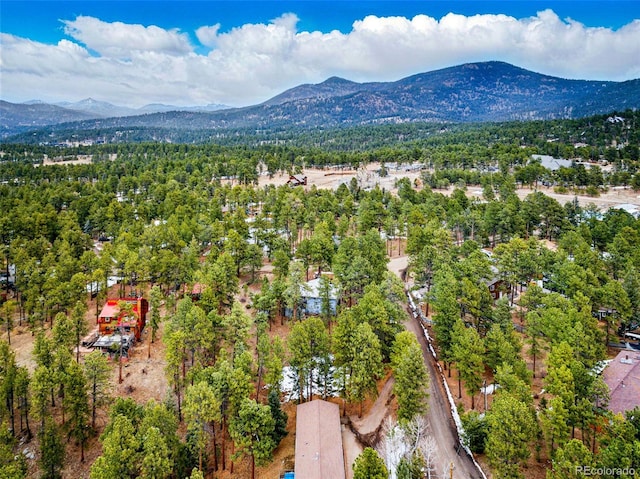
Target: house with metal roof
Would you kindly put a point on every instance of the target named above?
(113, 319)
(319, 453)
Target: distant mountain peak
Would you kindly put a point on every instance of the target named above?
(473, 92)
(333, 86)
(334, 80)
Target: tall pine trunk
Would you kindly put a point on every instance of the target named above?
(224, 443)
(215, 452)
(94, 393)
(233, 450)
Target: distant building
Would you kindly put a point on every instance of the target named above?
(297, 180)
(114, 343)
(113, 320)
(551, 163)
(312, 296)
(622, 375)
(496, 288)
(495, 284)
(311, 300)
(633, 210)
(8, 274)
(319, 453)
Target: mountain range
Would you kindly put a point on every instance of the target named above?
(473, 92)
(16, 117)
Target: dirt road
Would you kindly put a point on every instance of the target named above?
(365, 426)
(371, 423)
(440, 422)
(439, 415)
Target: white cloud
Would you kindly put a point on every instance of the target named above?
(135, 64)
(120, 40)
(208, 35)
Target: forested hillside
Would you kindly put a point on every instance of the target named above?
(473, 92)
(223, 252)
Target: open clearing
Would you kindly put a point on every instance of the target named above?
(368, 177)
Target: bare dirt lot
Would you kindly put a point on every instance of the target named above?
(332, 178)
(612, 197)
(368, 177)
(75, 160)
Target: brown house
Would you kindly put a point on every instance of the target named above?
(196, 291)
(113, 320)
(319, 452)
(297, 180)
(622, 375)
(496, 288)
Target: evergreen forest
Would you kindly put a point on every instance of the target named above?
(224, 248)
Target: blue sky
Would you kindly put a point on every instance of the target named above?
(243, 52)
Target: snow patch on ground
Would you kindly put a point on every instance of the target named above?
(291, 391)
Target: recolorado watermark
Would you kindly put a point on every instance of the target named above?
(605, 471)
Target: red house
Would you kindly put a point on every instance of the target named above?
(113, 319)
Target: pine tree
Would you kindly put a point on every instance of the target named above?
(155, 299)
(6, 316)
(12, 466)
(196, 474)
(22, 394)
(8, 371)
(411, 376)
(62, 364)
(468, 351)
(159, 416)
(294, 288)
(51, 451)
(79, 325)
(156, 462)
(41, 384)
(201, 407)
(77, 403)
(511, 428)
(236, 326)
(176, 356)
(279, 416)
(570, 460)
(381, 314)
(554, 421)
(447, 311)
(274, 363)
(97, 372)
(63, 336)
(369, 465)
(308, 343)
(252, 432)
(366, 367)
(119, 452)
